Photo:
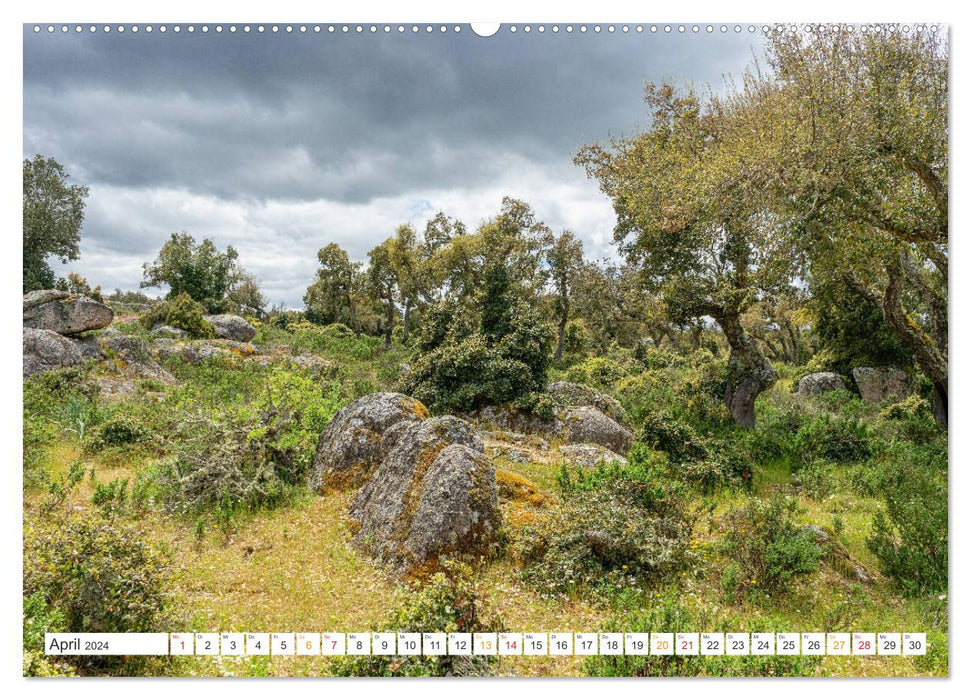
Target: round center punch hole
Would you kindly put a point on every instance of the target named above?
(485, 28)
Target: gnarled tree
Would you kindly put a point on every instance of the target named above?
(694, 217)
(866, 172)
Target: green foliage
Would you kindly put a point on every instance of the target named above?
(838, 439)
(100, 576)
(59, 488)
(661, 431)
(598, 372)
(912, 419)
(53, 213)
(465, 372)
(769, 548)
(39, 436)
(200, 270)
(662, 612)
(616, 527)
(179, 312)
(910, 534)
(255, 454)
(328, 299)
(691, 390)
(817, 479)
(112, 497)
(39, 619)
(334, 339)
(220, 469)
(447, 602)
(853, 330)
(118, 431)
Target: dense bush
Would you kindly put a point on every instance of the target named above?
(910, 534)
(59, 402)
(767, 545)
(97, 576)
(118, 431)
(836, 439)
(691, 390)
(598, 372)
(458, 369)
(179, 312)
(615, 527)
(221, 468)
(912, 419)
(447, 602)
(39, 619)
(661, 431)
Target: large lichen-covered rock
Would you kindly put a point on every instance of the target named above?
(231, 327)
(42, 296)
(169, 331)
(881, 383)
(196, 351)
(573, 394)
(589, 456)
(579, 424)
(434, 496)
(131, 356)
(819, 383)
(51, 310)
(573, 424)
(357, 438)
(46, 350)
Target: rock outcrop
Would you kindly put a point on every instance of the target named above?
(819, 383)
(53, 310)
(572, 394)
(433, 496)
(359, 436)
(881, 383)
(230, 327)
(588, 455)
(573, 424)
(587, 424)
(46, 350)
(196, 351)
(132, 357)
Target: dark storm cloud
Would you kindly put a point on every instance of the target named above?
(339, 116)
(255, 120)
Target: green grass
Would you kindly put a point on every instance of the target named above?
(291, 568)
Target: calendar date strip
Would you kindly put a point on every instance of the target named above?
(488, 644)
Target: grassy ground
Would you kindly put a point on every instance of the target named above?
(291, 568)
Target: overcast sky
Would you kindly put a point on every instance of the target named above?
(280, 144)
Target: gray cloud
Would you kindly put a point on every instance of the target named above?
(278, 144)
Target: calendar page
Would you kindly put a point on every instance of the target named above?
(538, 349)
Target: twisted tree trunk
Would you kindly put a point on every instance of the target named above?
(749, 372)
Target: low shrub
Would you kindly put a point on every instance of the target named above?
(615, 527)
(675, 437)
(769, 548)
(447, 602)
(836, 439)
(909, 535)
(662, 612)
(180, 312)
(118, 431)
(598, 372)
(817, 479)
(100, 576)
(912, 419)
(220, 468)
